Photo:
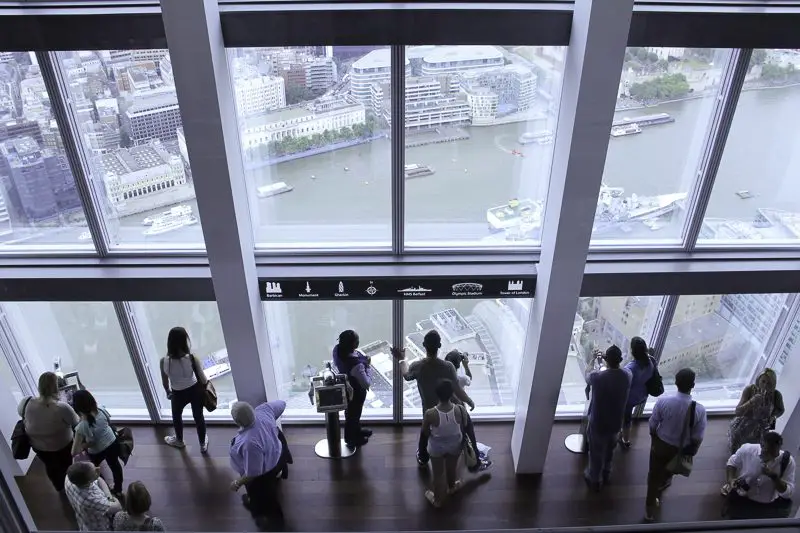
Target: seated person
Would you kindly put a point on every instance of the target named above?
(760, 480)
(90, 497)
(135, 517)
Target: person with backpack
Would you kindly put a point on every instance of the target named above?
(645, 381)
(185, 383)
(94, 435)
(760, 480)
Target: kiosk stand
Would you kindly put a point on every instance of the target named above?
(329, 393)
(578, 442)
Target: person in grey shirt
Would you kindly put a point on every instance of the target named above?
(667, 423)
(609, 395)
(427, 372)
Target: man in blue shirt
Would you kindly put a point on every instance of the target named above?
(259, 454)
(667, 424)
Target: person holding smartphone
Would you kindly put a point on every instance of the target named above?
(608, 398)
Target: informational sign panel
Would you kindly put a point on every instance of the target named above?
(437, 288)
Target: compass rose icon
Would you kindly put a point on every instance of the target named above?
(371, 290)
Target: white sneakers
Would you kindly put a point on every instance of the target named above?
(172, 440)
(204, 446)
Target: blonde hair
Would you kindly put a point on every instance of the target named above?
(48, 386)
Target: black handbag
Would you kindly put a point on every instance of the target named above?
(124, 437)
(654, 385)
(20, 442)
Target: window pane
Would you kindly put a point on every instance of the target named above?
(599, 323)
(756, 197)
(39, 204)
(666, 100)
(201, 321)
(490, 332)
(315, 144)
(82, 338)
(727, 340)
(480, 124)
(129, 125)
(302, 336)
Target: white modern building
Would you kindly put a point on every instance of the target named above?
(100, 137)
(375, 67)
(258, 95)
(483, 103)
(321, 73)
(140, 171)
(514, 85)
(452, 59)
(301, 121)
(429, 103)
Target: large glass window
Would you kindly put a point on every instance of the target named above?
(756, 196)
(302, 336)
(664, 107)
(480, 123)
(129, 127)
(39, 203)
(491, 333)
(80, 340)
(599, 323)
(314, 132)
(727, 340)
(201, 321)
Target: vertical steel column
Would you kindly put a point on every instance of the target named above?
(60, 100)
(144, 375)
(398, 144)
(205, 94)
(397, 379)
(727, 98)
(595, 56)
(663, 322)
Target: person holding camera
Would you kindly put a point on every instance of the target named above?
(609, 395)
(356, 366)
(759, 407)
(760, 480)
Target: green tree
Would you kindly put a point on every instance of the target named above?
(652, 57)
(297, 94)
(641, 54)
(666, 87)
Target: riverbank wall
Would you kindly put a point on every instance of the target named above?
(314, 151)
(695, 96)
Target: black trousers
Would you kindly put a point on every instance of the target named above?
(262, 491)
(180, 399)
(111, 456)
(56, 464)
(741, 508)
(352, 416)
(469, 429)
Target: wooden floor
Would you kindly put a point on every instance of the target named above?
(381, 487)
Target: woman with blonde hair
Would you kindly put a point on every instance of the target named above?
(49, 424)
(760, 406)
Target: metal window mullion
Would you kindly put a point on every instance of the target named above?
(67, 123)
(398, 146)
(660, 333)
(127, 323)
(727, 99)
(397, 379)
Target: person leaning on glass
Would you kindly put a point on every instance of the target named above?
(760, 406)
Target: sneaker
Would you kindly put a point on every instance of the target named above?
(172, 440)
(456, 486)
(624, 444)
(204, 445)
(432, 498)
(422, 461)
(481, 466)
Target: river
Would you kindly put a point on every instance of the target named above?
(472, 175)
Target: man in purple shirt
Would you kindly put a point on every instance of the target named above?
(667, 424)
(259, 454)
(356, 366)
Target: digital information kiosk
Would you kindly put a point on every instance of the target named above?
(329, 393)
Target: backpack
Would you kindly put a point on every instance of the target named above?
(785, 456)
(654, 385)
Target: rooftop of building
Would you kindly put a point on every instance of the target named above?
(299, 111)
(154, 100)
(21, 151)
(381, 58)
(519, 70)
(128, 160)
(449, 54)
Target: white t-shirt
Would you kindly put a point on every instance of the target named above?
(463, 378)
(748, 464)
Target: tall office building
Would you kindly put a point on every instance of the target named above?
(375, 67)
(259, 95)
(5, 216)
(321, 73)
(153, 116)
(39, 183)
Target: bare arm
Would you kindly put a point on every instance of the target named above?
(427, 421)
(164, 376)
(462, 395)
(467, 371)
(743, 407)
(198, 370)
(79, 444)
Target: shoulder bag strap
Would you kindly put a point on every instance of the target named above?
(687, 425)
(195, 364)
(25, 407)
(784, 461)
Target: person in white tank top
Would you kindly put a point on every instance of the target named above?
(444, 425)
(184, 382)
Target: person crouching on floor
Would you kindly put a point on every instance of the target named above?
(260, 454)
